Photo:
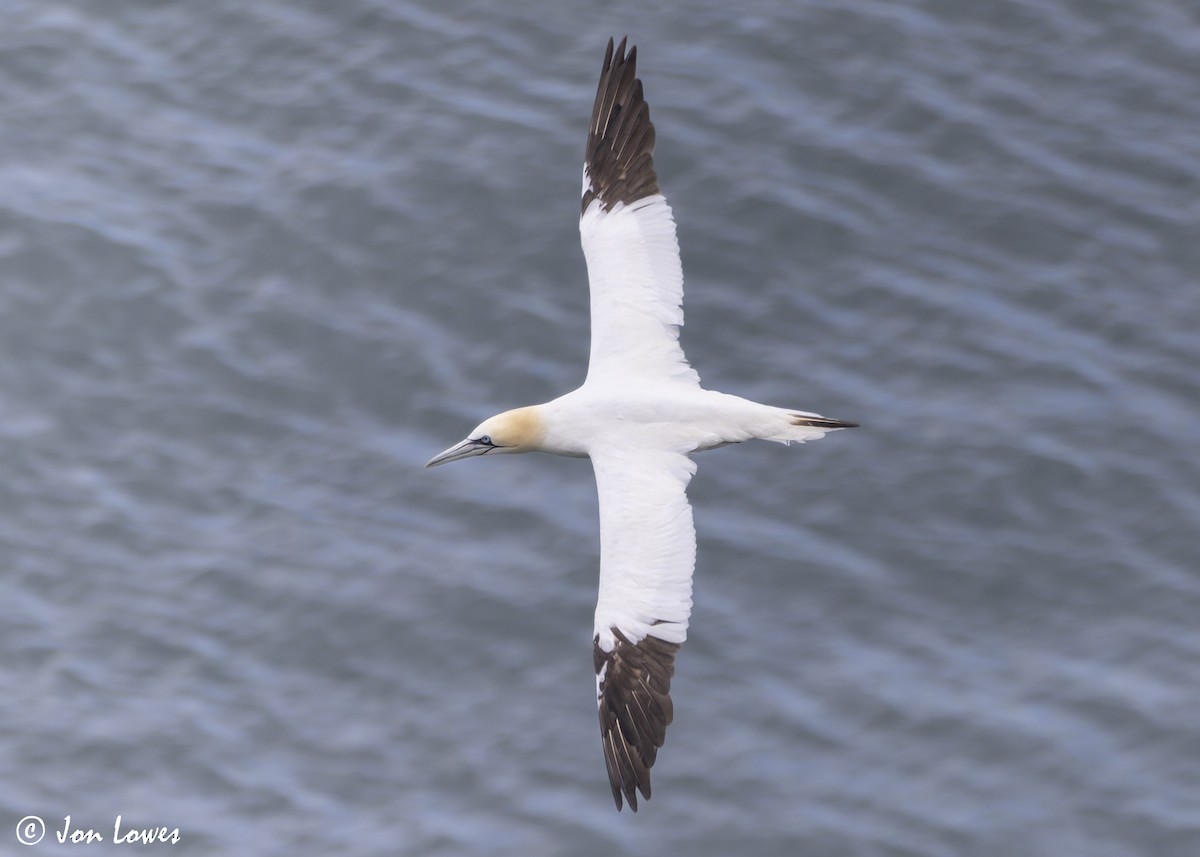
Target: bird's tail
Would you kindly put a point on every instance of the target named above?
(799, 426)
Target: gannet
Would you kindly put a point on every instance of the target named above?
(638, 416)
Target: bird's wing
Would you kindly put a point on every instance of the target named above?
(647, 554)
(629, 238)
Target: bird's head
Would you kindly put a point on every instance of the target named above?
(519, 430)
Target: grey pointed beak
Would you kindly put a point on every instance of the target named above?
(466, 449)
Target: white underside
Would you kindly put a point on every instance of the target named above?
(640, 414)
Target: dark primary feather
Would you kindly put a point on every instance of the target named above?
(635, 710)
(620, 141)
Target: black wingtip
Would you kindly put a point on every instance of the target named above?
(635, 709)
(620, 144)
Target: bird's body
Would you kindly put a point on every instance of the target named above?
(638, 416)
(664, 416)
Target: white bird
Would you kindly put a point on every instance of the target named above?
(638, 416)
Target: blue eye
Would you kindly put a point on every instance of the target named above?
(486, 440)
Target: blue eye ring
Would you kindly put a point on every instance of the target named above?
(486, 440)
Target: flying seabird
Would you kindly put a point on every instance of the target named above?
(639, 415)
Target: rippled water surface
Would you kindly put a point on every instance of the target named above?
(259, 261)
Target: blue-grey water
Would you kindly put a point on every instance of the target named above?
(259, 261)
